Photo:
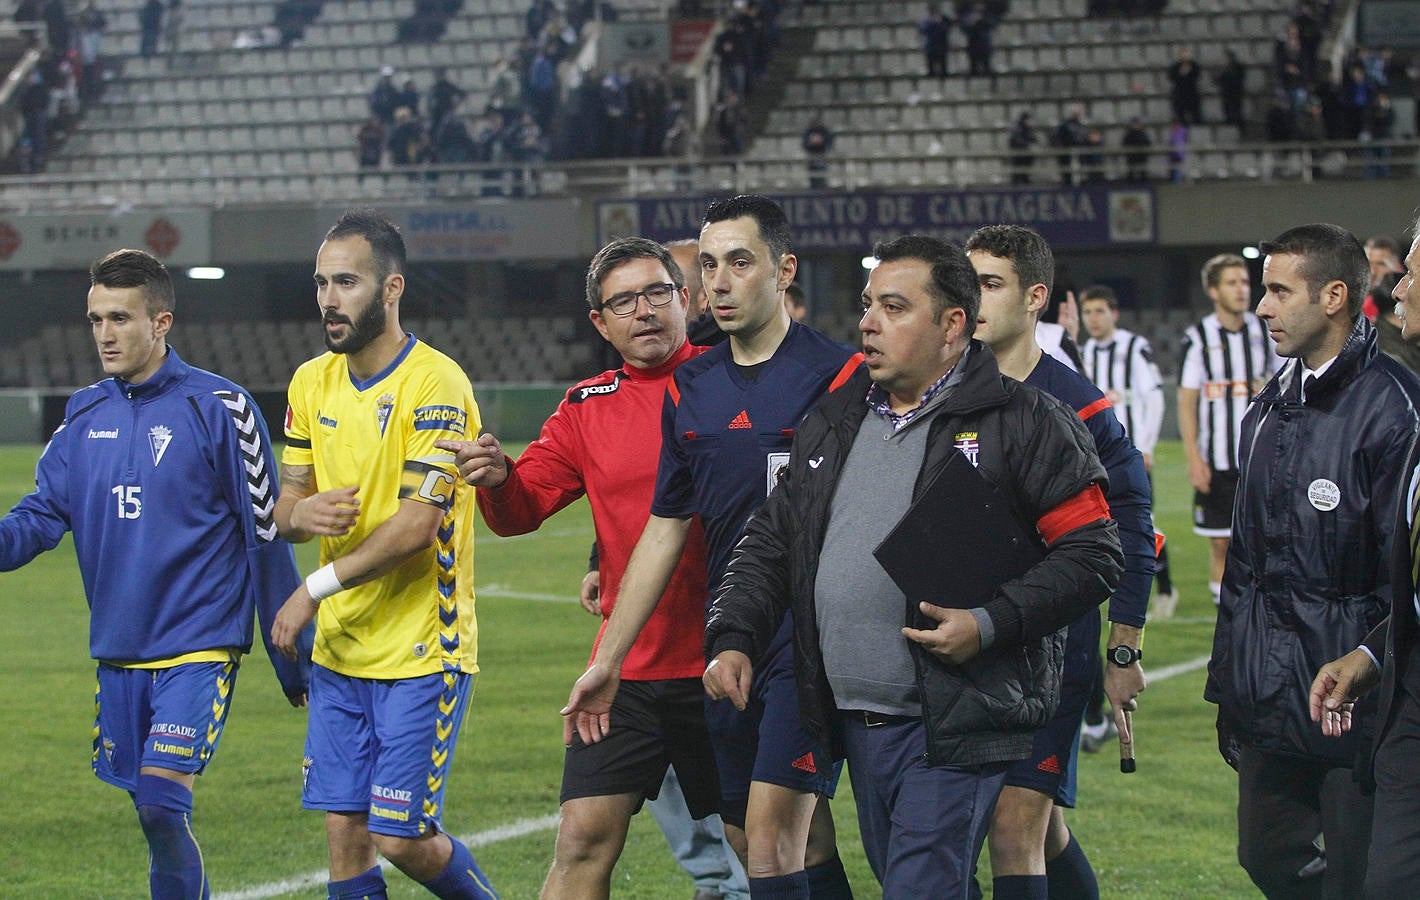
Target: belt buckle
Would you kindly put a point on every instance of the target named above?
(872, 719)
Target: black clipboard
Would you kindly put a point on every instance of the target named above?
(958, 541)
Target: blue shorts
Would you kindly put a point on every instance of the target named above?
(383, 747)
(1051, 767)
(767, 742)
(167, 718)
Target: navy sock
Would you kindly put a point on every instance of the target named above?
(368, 885)
(1019, 887)
(828, 881)
(1071, 876)
(461, 879)
(175, 870)
(781, 887)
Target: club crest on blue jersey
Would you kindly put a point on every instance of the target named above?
(383, 407)
(970, 447)
(159, 436)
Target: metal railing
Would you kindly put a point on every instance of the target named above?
(1266, 162)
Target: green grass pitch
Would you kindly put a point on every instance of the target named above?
(1167, 831)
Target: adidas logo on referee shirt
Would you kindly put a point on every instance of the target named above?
(741, 420)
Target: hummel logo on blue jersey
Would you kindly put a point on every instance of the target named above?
(109, 434)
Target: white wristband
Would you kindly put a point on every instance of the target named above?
(323, 582)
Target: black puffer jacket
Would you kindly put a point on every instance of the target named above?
(1038, 454)
(1308, 567)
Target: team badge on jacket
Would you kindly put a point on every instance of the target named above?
(969, 446)
(159, 436)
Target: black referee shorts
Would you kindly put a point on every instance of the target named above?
(654, 724)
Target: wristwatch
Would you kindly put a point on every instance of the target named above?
(1123, 656)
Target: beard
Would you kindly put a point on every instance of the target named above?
(363, 330)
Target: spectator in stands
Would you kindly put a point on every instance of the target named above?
(91, 33)
(527, 145)
(1293, 69)
(150, 22)
(1070, 134)
(539, 11)
(978, 24)
(450, 142)
(729, 118)
(1380, 126)
(444, 95)
(1022, 139)
(656, 85)
(34, 110)
(523, 142)
(1136, 164)
(1178, 149)
(1310, 29)
(1281, 120)
(732, 52)
(681, 145)
(172, 25)
(542, 85)
(487, 137)
(370, 143)
(1328, 94)
(817, 142)
(1230, 79)
(505, 92)
(408, 142)
(1356, 97)
(384, 97)
(408, 96)
(616, 107)
(1183, 88)
(638, 101)
(1092, 161)
(56, 25)
(936, 31)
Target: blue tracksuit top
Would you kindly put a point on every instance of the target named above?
(169, 487)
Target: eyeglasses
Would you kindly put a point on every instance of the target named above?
(657, 295)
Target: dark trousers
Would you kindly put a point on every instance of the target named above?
(1284, 802)
(922, 826)
(1393, 868)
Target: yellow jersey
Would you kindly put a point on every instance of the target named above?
(379, 434)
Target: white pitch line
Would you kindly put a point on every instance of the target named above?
(498, 591)
(524, 827)
(1168, 672)
(517, 829)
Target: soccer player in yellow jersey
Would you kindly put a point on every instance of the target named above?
(396, 642)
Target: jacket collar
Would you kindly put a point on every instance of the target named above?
(172, 371)
(1358, 352)
(979, 385)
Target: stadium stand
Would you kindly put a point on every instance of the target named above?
(262, 354)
